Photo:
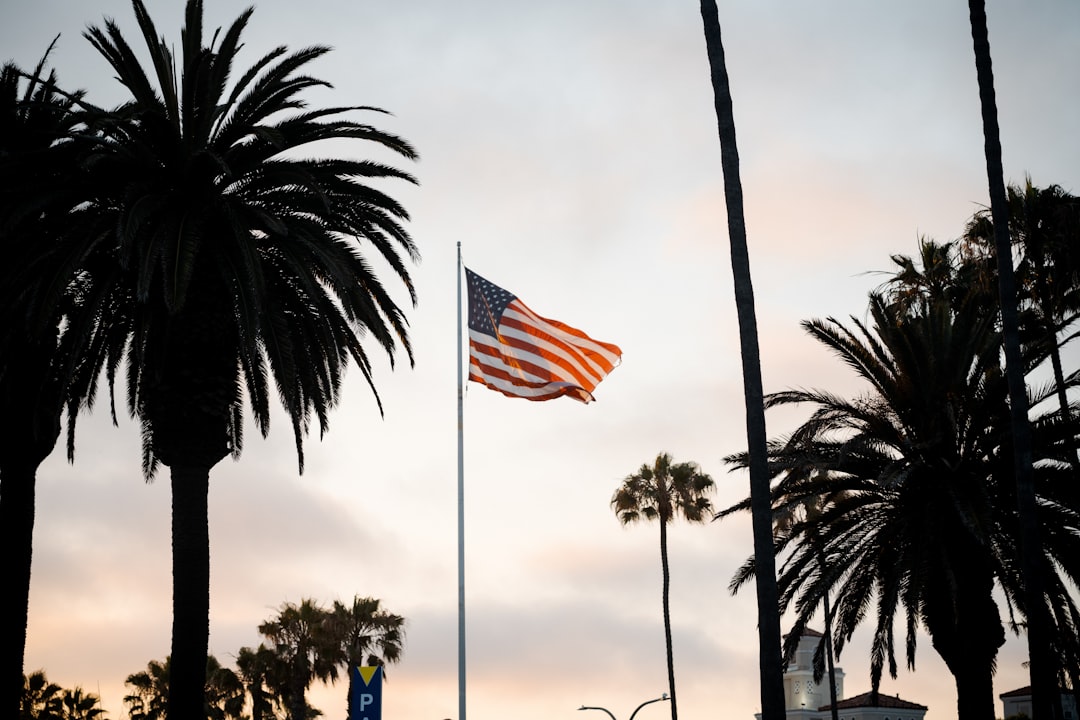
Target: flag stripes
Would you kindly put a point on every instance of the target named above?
(516, 352)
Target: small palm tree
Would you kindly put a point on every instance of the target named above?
(148, 699)
(41, 699)
(264, 674)
(663, 492)
(79, 705)
(308, 648)
(367, 634)
(1044, 226)
(149, 694)
(224, 692)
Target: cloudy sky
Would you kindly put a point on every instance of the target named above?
(570, 147)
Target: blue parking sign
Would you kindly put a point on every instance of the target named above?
(365, 702)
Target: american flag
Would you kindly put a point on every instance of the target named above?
(520, 354)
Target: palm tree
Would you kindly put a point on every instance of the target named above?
(148, 700)
(39, 698)
(238, 260)
(665, 491)
(264, 674)
(1043, 690)
(770, 664)
(921, 514)
(1045, 228)
(36, 120)
(149, 696)
(367, 634)
(308, 647)
(224, 692)
(79, 705)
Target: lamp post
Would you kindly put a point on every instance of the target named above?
(610, 715)
(587, 707)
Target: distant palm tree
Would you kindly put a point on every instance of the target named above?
(148, 700)
(40, 699)
(224, 692)
(770, 665)
(1045, 228)
(665, 491)
(264, 675)
(36, 155)
(240, 263)
(149, 696)
(79, 705)
(1044, 692)
(308, 647)
(367, 634)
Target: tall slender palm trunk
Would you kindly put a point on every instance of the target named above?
(830, 663)
(191, 592)
(667, 617)
(16, 534)
(1042, 667)
(768, 597)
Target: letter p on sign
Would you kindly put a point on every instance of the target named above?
(365, 701)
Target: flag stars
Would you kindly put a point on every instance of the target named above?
(487, 301)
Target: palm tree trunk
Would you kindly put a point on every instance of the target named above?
(1042, 668)
(191, 591)
(974, 689)
(768, 597)
(16, 536)
(667, 617)
(829, 661)
(966, 629)
(33, 398)
(299, 676)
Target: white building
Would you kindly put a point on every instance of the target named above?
(806, 700)
(1018, 702)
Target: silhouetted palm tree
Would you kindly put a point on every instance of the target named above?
(36, 155)
(770, 665)
(264, 674)
(148, 700)
(921, 512)
(239, 263)
(665, 491)
(367, 634)
(79, 705)
(1045, 228)
(309, 648)
(39, 698)
(149, 696)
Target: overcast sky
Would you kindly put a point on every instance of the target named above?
(570, 147)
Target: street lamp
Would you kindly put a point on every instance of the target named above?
(587, 707)
(610, 715)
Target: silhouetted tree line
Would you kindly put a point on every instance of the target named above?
(305, 643)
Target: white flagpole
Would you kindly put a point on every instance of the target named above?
(461, 500)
